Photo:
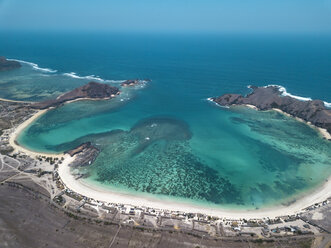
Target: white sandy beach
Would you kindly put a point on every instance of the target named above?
(318, 195)
(97, 193)
(322, 131)
(25, 124)
(20, 128)
(79, 186)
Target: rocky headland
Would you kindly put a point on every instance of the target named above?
(270, 97)
(92, 90)
(7, 65)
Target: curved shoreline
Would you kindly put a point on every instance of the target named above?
(317, 195)
(26, 123)
(325, 134)
(20, 128)
(97, 193)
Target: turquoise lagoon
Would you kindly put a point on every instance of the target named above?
(164, 139)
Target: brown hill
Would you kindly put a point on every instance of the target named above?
(92, 90)
(265, 98)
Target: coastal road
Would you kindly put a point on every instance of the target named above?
(11, 167)
(1, 162)
(113, 240)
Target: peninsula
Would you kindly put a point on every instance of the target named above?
(92, 90)
(270, 97)
(7, 65)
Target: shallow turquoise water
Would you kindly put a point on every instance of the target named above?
(166, 139)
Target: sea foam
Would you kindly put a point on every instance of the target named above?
(284, 92)
(35, 66)
(327, 104)
(89, 77)
(72, 74)
(209, 99)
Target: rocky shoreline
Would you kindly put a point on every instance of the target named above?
(92, 90)
(134, 82)
(85, 154)
(270, 97)
(7, 65)
(129, 83)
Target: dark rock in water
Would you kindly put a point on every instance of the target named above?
(134, 82)
(128, 83)
(7, 65)
(265, 98)
(98, 140)
(86, 154)
(92, 90)
(78, 149)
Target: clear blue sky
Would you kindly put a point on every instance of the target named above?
(168, 15)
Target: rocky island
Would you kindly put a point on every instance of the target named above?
(270, 97)
(7, 65)
(92, 90)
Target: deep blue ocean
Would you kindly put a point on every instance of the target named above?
(165, 139)
(226, 63)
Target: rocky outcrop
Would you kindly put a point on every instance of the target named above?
(265, 98)
(129, 83)
(78, 149)
(134, 82)
(7, 65)
(86, 154)
(91, 90)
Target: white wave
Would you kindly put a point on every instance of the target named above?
(89, 77)
(92, 77)
(222, 106)
(35, 66)
(114, 81)
(209, 99)
(327, 104)
(71, 74)
(282, 89)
